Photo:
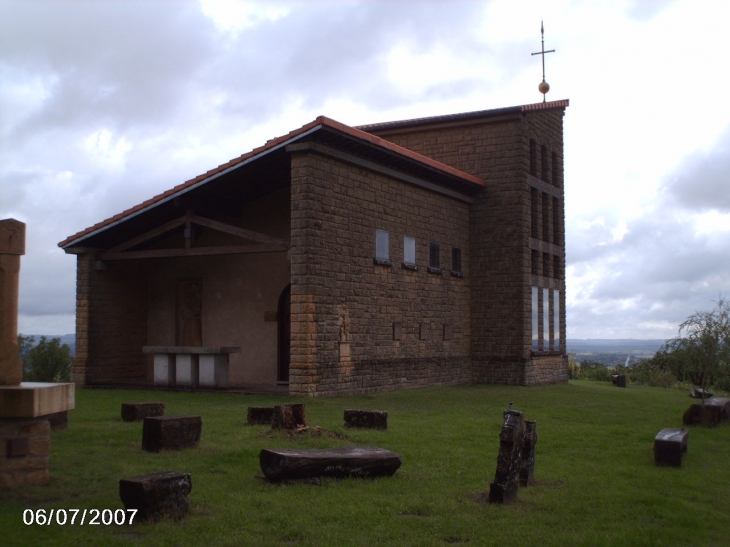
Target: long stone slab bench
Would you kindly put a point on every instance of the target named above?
(191, 366)
(356, 461)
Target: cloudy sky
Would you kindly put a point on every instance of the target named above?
(104, 104)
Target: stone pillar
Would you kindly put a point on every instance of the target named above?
(25, 407)
(12, 246)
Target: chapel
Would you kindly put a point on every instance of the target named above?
(340, 260)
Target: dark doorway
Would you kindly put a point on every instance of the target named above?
(283, 317)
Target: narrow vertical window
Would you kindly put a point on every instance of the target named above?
(556, 267)
(535, 262)
(533, 212)
(544, 172)
(556, 221)
(546, 264)
(409, 250)
(382, 245)
(556, 171)
(545, 319)
(556, 320)
(533, 157)
(456, 259)
(535, 325)
(545, 217)
(434, 256)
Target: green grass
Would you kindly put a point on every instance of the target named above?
(596, 482)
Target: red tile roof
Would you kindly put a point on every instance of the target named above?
(320, 122)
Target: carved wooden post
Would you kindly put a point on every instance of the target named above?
(12, 246)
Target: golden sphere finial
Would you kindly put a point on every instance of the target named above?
(544, 87)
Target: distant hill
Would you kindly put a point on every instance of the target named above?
(69, 339)
(619, 345)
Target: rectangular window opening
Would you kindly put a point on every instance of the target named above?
(409, 250)
(382, 245)
(545, 319)
(533, 211)
(556, 221)
(456, 259)
(535, 325)
(546, 264)
(556, 320)
(434, 256)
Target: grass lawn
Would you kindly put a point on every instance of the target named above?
(596, 482)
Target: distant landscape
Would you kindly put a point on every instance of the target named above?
(609, 352)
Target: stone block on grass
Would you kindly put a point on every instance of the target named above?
(157, 495)
(134, 412)
(260, 415)
(702, 414)
(372, 419)
(171, 432)
(669, 446)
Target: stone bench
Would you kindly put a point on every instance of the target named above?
(260, 415)
(669, 446)
(134, 412)
(171, 432)
(722, 404)
(619, 380)
(191, 366)
(702, 414)
(157, 495)
(358, 461)
(373, 419)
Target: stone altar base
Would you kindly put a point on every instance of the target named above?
(25, 430)
(24, 447)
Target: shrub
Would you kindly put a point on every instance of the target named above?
(49, 361)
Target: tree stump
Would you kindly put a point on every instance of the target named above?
(157, 495)
(260, 415)
(509, 462)
(669, 446)
(171, 432)
(359, 461)
(373, 419)
(133, 412)
(290, 417)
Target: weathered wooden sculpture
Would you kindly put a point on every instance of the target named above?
(516, 460)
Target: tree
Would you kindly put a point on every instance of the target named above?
(701, 350)
(49, 361)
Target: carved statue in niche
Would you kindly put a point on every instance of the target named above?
(344, 324)
(189, 311)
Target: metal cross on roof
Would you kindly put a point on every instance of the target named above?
(544, 87)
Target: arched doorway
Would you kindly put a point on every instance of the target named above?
(283, 317)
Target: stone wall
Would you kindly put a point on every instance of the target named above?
(360, 326)
(498, 149)
(111, 322)
(24, 448)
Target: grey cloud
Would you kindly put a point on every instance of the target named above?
(703, 181)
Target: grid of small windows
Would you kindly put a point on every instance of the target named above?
(382, 254)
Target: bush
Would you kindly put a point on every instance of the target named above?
(652, 372)
(49, 361)
(593, 370)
